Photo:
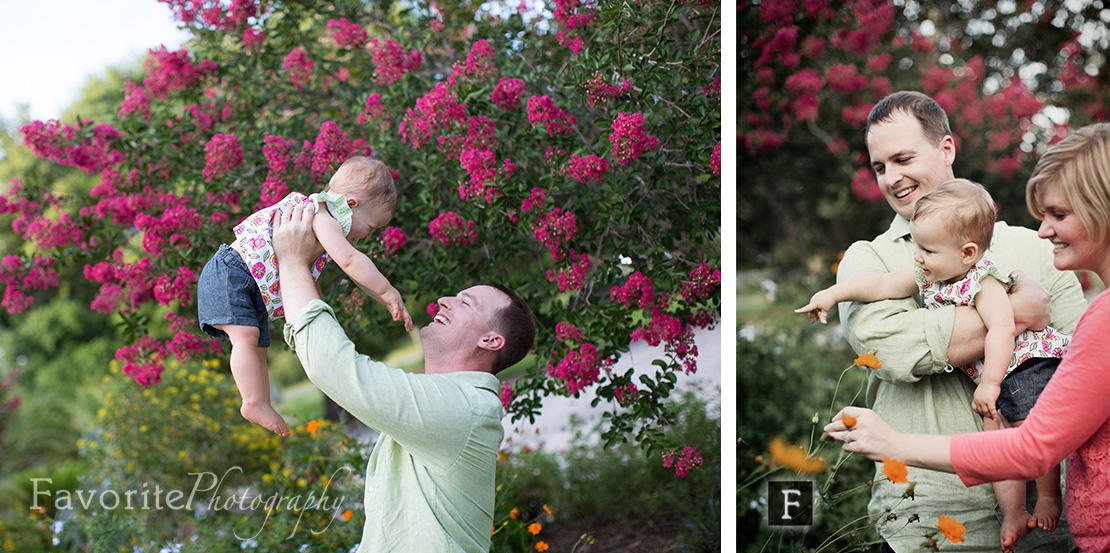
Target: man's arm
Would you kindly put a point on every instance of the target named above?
(296, 247)
(910, 340)
(1032, 307)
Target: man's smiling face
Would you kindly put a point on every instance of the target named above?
(906, 163)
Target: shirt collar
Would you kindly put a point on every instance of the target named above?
(899, 229)
(478, 379)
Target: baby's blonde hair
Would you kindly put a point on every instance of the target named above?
(965, 208)
(366, 179)
(1080, 165)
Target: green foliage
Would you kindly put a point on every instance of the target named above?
(235, 481)
(595, 486)
(791, 377)
(1013, 77)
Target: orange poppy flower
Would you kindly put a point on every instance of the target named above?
(895, 470)
(868, 360)
(535, 528)
(952, 529)
(312, 426)
(347, 515)
(515, 513)
(548, 510)
(795, 457)
(541, 546)
(849, 421)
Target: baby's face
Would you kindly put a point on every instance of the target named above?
(366, 218)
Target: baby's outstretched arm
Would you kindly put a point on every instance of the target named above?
(866, 287)
(359, 267)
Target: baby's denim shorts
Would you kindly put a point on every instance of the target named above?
(1024, 384)
(228, 294)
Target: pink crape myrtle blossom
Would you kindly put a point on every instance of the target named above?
(479, 64)
(74, 145)
(450, 229)
(629, 138)
(392, 61)
(222, 154)
(507, 395)
(332, 147)
(567, 331)
(171, 71)
(578, 369)
(143, 360)
(534, 201)
(507, 93)
(392, 238)
(586, 169)
(136, 99)
(572, 277)
(276, 150)
(374, 112)
(18, 277)
(555, 228)
(170, 289)
(600, 92)
(436, 110)
(703, 281)
(185, 344)
(253, 38)
(677, 338)
(299, 68)
(638, 292)
(542, 112)
(683, 463)
(346, 34)
(481, 165)
(715, 160)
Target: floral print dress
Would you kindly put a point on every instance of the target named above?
(254, 237)
(1048, 342)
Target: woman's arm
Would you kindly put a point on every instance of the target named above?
(873, 438)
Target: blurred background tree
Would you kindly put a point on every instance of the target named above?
(1013, 76)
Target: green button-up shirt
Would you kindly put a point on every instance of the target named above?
(917, 391)
(430, 479)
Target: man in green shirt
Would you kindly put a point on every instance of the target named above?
(912, 151)
(430, 479)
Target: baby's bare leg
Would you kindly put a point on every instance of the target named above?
(248, 368)
(1050, 504)
(1011, 501)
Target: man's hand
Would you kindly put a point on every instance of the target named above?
(1032, 304)
(296, 247)
(294, 239)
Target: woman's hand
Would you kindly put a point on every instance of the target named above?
(867, 435)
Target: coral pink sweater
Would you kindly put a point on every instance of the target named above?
(1072, 416)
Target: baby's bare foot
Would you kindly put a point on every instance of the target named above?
(1014, 529)
(1046, 514)
(264, 415)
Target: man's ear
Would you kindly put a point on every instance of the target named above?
(969, 251)
(492, 341)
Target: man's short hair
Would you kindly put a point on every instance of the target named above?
(1080, 165)
(516, 323)
(964, 207)
(933, 119)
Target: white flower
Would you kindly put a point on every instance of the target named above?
(249, 543)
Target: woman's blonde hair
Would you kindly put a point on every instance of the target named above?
(1080, 165)
(965, 208)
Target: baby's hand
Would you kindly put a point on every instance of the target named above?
(818, 307)
(392, 301)
(983, 402)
